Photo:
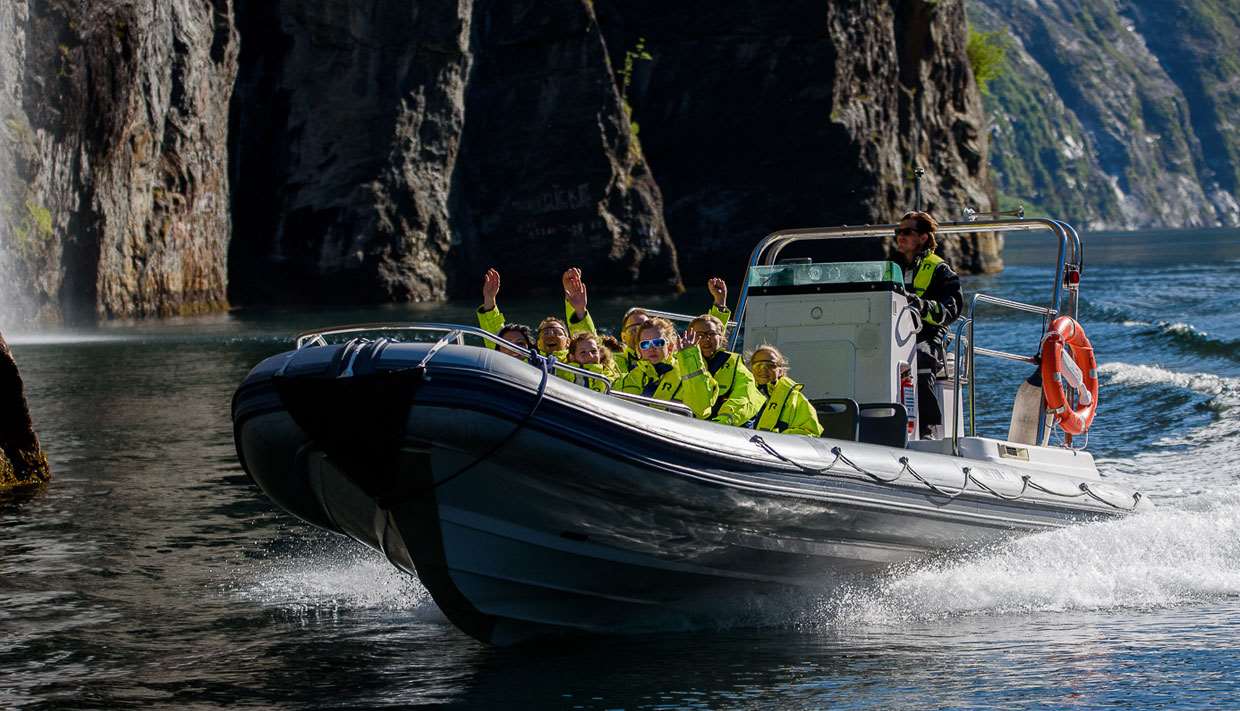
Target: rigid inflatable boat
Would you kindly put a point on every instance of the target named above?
(531, 507)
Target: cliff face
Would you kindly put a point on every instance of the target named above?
(452, 137)
(1116, 113)
(759, 116)
(377, 151)
(116, 197)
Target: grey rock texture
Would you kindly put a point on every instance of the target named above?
(757, 116)
(118, 202)
(382, 149)
(1117, 113)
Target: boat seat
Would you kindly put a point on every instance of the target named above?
(883, 423)
(839, 417)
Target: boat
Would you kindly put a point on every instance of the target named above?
(531, 507)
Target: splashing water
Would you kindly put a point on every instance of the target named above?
(1160, 559)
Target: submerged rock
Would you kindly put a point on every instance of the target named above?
(22, 461)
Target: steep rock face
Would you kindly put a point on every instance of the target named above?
(758, 116)
(117, 203)
(381, 149)
(345, 128)
(548, 158)
(1115, 113)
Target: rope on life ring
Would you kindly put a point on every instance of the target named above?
(1080, 371)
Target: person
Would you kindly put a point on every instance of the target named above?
(669, 370)
(934, 292)
(718, 289)
(518, 334)
(587, 350)
(632, 322)
(739, 399)
(491, 319)
(786, 410)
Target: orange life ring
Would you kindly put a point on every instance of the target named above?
(1081, 371)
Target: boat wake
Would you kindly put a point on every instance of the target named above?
(334, 578)
(1160, 559)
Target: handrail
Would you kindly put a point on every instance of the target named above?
(457, 332)
(967, 342)
(767, 250)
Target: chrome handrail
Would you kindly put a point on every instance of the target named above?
(767, 250)
(457, 332)
(965, 342)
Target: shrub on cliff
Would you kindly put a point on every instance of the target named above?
(987, 56)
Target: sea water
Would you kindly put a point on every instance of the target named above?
(152, 573)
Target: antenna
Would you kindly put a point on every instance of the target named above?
(917, 175)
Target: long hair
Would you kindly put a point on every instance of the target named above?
(608, 362)
(926, 224)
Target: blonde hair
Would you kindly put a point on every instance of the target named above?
(666, 329)
(777, 356)
(551, 320)
(606, 359)
(707, 318)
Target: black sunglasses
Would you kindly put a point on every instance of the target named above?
(906, 231)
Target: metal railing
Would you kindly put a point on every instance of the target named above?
(456, 333)
(767, 251)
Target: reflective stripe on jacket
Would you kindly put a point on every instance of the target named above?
(684, 378)
(788, 411)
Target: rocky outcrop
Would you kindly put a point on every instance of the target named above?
(117, 204)
(759, 116)
(381, 150)
(22, 461)
(1116, 113)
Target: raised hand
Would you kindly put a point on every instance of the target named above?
(490, 289)
(569, 275)
(688, 338)
(718, 291)
(575, 291)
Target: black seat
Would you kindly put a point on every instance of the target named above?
(883, 423)
(839, 417)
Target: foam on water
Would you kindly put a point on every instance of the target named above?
(1164, 558)
(1182, 463)
(332, 579)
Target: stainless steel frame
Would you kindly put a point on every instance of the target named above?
(456, 333)
(1069, 260)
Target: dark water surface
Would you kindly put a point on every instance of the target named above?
(150, 572)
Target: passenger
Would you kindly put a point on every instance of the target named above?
(718, 289)
(786, 409)
(491, 319)
(934, 292)
(517, 333)
(632, 322)
(739, 399)
(575, 301)
(587, 351)
(668, 373)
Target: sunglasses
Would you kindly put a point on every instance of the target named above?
(652, 343)
(906, 231)
(762, 364)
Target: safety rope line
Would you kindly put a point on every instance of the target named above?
(1024, 479)
(1136, 498)
(1027, 481)
(929, 484)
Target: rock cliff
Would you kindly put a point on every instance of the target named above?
(757, 116)
(380, 151)
(1117, 113)
(117, 200)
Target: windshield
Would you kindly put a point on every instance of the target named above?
(825, 273)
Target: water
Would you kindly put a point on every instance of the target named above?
(152, 573)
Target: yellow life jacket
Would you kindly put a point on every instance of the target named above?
(922, 277)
